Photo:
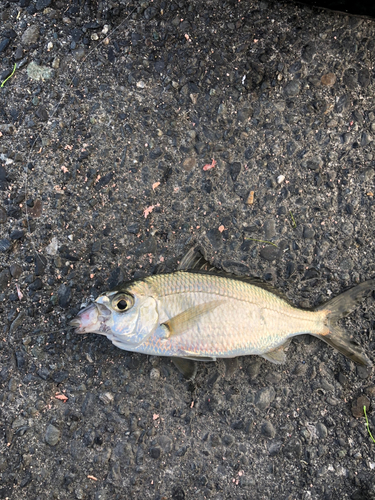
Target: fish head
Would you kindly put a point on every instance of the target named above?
(123, 317)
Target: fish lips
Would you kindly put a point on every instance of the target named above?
(92, 319)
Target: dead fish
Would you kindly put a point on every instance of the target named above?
(199, 313)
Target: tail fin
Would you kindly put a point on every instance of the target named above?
(338, 308)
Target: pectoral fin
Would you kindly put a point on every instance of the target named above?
(187, 367)
(277, 355)
(182, 322)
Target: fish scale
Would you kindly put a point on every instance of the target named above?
(251, 321)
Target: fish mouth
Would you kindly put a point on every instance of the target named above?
(92, 319)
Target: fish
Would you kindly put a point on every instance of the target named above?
(200, 313)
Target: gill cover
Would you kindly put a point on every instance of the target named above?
(134, 319)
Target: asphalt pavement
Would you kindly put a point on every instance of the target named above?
(130, 131)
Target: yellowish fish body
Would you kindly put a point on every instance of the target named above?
(244, 318)
(203, 315)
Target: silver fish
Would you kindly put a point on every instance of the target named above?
(200, 315)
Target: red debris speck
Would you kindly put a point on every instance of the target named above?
(208, 166)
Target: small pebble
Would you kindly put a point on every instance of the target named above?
(52, 435)
(268, 430)
(358, 404)
(154, 374)
(328, 80)
(31, 35)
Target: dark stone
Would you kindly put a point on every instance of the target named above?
(269, 229)
(215, 237)
(116, 277)
(238, 424)
(65, 296)
(244, 114)
(349, 209)
(264, 397)
(155, 452)
(308, 52)
(364, 77)
(14, 212)
(10, 34)
(16, 235)
(274, 448)
(15, 270)
(5, 245)
(4, 75)
(3, 215)
(314, 164)
(40, 264)
(343, 103)
(42, 114)
(133, 228)
(268, 430)
(308, 232)
(42, 4)
(159, 66)
(254, 368)
(350, 78)
(150, 13)
(178, 493)
(88, 403)
(76, 34)
(249, 153)
(234, 170)
(20, 359)
(311, 274)
(165, 443)
(156, 153)
(36, 285)
(3, 174)
(292, 88)
(26, 480)
(365, 139)
(148, 246)
(43, 373)
(31, 10)
(4, 44)
(5, 278)
(52, 435)
(269, 253)
(228, 440)
(103, 181)
(59, 376)
(293, 449)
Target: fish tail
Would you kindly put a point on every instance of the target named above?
(338, 308)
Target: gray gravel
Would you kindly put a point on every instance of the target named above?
(245, 126)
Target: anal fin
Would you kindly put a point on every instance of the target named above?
(277, 355)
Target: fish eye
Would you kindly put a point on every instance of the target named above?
(122, 305)
(122, 302)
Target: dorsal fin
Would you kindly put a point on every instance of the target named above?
(195, 260)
